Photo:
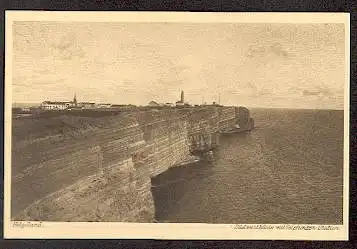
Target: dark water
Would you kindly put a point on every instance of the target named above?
(288, 170)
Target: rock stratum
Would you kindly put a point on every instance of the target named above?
(84, 167)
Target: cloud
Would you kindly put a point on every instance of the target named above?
(41, 71)
(320, 91)
(67, 48)
(278, 49)
(138, 63)
(50, 81)
(310, 93)
(265, 51)
(255, 51)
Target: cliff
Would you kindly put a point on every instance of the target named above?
(85, 167)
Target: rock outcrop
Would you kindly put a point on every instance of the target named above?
(85, 168)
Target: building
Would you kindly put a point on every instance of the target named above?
(103, 105)
(75, 100)
(58, 105)
(181, 102)
(153, 104)
(25, 109)
(86, 105)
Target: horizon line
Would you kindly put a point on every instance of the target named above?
(247, 106)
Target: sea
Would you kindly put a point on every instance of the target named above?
(288, 170)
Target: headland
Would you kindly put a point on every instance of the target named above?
(97, 165)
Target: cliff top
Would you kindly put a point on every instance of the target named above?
(70, 123)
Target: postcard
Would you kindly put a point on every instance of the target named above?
(176, 125)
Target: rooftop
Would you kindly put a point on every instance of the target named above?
(56, 102)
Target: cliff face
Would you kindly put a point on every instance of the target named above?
(75, 168)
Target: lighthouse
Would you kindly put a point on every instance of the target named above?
(75, 100)
(181, 102)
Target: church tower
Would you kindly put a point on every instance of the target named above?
(75, 100)
(182, 97)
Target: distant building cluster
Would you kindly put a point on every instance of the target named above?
(69, 105)
(75, 105)
(179, 103)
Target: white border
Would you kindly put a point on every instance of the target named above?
(117, 230)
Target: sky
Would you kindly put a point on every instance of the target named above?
(255, 65)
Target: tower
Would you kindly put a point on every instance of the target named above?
(75, 100)
(182, 97)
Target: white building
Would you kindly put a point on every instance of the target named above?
(103, 105)
(58, 105)
(55, 105)
(179, 103)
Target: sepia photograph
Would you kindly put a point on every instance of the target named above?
(149, 120)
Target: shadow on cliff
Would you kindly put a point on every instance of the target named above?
(170, 187)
